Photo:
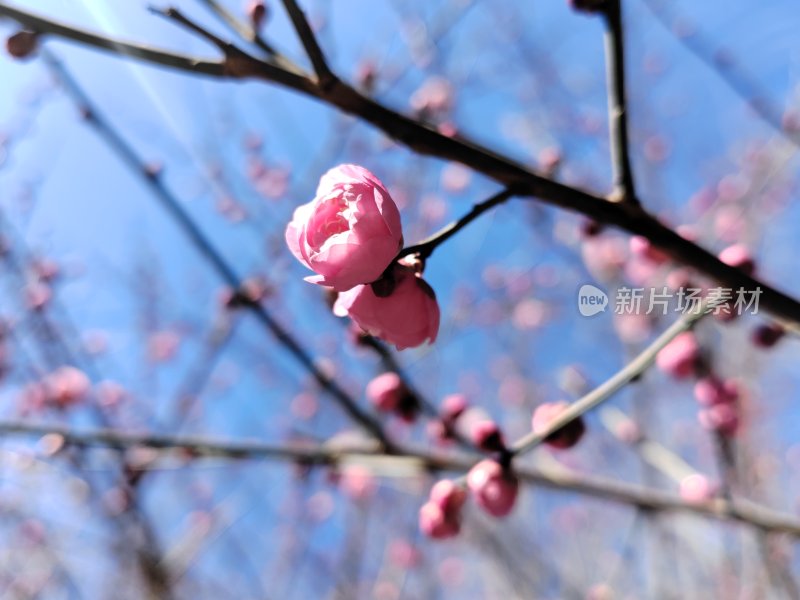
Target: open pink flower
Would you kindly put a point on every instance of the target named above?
(350, 232)
(407, 317)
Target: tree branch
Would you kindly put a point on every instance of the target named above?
(624, 189)
(426, 247)
(146, 53)
(410, 462)
(309, 41)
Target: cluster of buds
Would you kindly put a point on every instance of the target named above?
(492, 485)
(491, 482)
(718, 400)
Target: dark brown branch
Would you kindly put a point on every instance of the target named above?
(209, 251)
(152, 55)
(243, 30)
(426, 247)
(309, 41)
(624, 189)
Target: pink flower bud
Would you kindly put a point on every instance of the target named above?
(486, 436)
(495, 489)
(350, 232)
(357, 482)
(641, 247)
(163, 346)
(434, 523)
(37, 295)
(440, 517)
(711, 390)
(453, 406)
(449, 496)
(563, 438)
(407, 317)
(549, 159)
(738, 256)
(386, 391)
(256, 11)
(767, 335)
(680, 357)
(404, 554)
(22, 44)
(67, 386)
(722, 418)
(434, 97)
(697, 488)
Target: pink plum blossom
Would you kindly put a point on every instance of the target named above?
(350, 232)
(407, 317)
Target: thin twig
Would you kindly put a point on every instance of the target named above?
(411, 463)
(156, 56)
(624, 189)
(426, 247)
(246, 32)
(309, 41)
(603, 392)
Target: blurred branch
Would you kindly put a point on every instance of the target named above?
(423, 139)
(624, 189)
(603, 392)
(655, 454)
(207, 249)
(411, 463)
(733, 76)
